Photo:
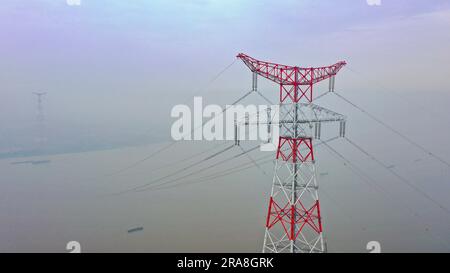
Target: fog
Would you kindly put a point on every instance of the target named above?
(114, 70)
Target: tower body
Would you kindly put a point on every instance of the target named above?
(40, 121)
(294, 222)
(40, 111)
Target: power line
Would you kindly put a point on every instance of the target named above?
(322, 95)
(264, 98)
(180, 161)
(195, 163)
(174, 142)
(401, 178)
(385, 193)
(175, 173)
(338, 205)
(356, 170)
(185, 159)
(143, 187)
(166, 147)
(393, 91)
(224, 173)
(423, 149)
(253, 163)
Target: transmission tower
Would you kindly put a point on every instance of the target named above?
(40, 116)
(40, 111)
(294, 222)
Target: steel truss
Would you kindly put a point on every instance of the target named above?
(294, 222)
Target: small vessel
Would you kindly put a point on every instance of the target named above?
(136, 229)
(32, 162)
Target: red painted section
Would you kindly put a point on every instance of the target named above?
(300, 149)
(294, 218)
(296, 83)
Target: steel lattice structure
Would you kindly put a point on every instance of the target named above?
(40, 125)
(294, 222)
(40, 112)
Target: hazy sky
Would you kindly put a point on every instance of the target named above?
(113, 69)
(139, 58)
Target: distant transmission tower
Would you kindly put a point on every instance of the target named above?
(40, 111)
(294, 222)
(40, 116)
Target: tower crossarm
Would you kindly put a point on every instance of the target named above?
(307, 113)
(290, 75)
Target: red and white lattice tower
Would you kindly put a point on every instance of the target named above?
(294, 222)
